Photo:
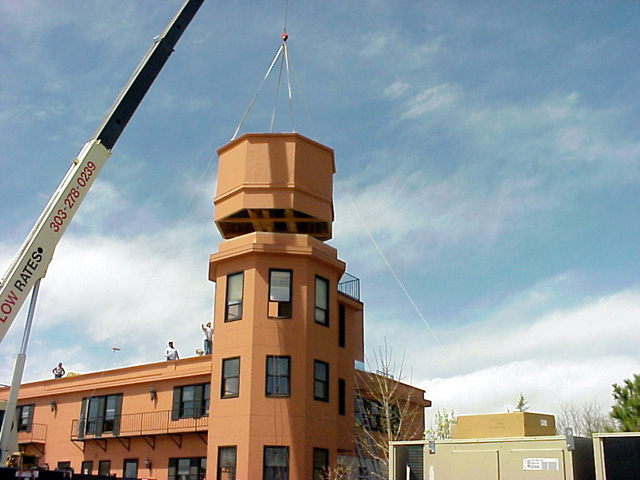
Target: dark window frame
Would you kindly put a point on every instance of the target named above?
(100, 415)
(342, 325)
(129, 461)
(320, 468)
(24, 423)
(101, 467)
(372, 411)
(283, 307)
(275, 472)
(378, 419)
(197, 468)
(195, 407)
(320, 384)
(84, 470)
(321, 312)
(342, 396)
(228, 469)
(64, 465)
(225, 380)
(231, 303)
(273, 379)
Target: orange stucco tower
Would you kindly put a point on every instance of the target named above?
(276, 399)
(285, 335)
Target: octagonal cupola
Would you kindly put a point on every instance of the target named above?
(274, 182)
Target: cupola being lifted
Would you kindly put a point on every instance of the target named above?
(274, 182)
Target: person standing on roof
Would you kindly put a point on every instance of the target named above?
(58, 371)
(208, 337)
(171, 353)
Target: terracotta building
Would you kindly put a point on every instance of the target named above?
(277, 397)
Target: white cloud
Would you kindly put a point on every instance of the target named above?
(528, 163)
(430, 99)
(396, 89)
(545, 384)
(595, 328)
(121, 275)
(135, 293)
(422, 217)
(551, 353)
(375, 44)
(550, 138)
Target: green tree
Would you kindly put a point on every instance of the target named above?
(626, 409)
(523, 404)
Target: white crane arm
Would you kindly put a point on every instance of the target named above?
(34, 256)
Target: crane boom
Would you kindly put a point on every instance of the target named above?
(31, 262)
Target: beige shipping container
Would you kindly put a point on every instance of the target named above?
(502, 425)
(535, 458)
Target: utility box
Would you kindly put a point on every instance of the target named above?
(536, 458)
(502, 425)
(617, 455)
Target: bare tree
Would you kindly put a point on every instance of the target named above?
(443, 420)
(584, 420)
(341, 472)
(389, 409)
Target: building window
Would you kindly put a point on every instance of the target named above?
(342, 321)
(322, 301)
(372, 412)
(194, 468)
(226, 463)
(342, 397)
(320, 463)
(321, 381)
(104, 467)
(100, 415)
(24, 415)
(64, 466)
(278, 376)
(87, 467)
(190, 401)
(276, 463)
(130, 468)
(230, 377)
(233, 308)
(280, 293)
(375, 419)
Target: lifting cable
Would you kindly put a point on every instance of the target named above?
(395, 276)
(273, 62)
(282, 55)
(279, 413)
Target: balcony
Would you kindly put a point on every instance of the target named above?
(147, 425)
(349, 286)
(36, 436)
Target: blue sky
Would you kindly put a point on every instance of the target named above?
(490, 148)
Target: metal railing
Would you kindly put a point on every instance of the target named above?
(36, 434)
(349, 286)
(137, 424)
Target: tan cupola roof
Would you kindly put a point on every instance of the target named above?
(274, 182)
